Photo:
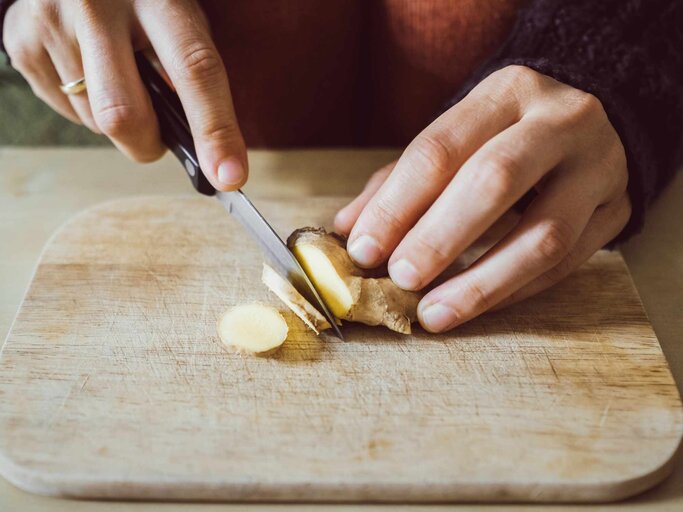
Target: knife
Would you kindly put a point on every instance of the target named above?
(176, 134)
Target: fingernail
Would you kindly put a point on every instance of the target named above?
(404, 274)
(437, 317)
(230, 172)
(365, 251)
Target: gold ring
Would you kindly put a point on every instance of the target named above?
(74, 87)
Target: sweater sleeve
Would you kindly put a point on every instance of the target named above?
(627, 53)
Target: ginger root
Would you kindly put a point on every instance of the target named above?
(352, 293)
(294, 300)
(252, 329)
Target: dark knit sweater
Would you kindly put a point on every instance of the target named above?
(628, 53)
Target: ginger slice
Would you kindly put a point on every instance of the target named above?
(252, 329)
(294, 300)
(352, 293)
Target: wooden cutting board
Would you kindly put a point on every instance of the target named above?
(113, 383)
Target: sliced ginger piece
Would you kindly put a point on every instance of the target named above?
(352, 293)
(328, 282)
(294, 300)
(252, 329)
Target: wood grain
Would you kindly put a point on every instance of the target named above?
(113, 383)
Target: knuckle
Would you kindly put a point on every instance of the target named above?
(41, 9)
(431, 249)
(48, 23)
(493, 92)
(116, 119)
(221, 134)
(475, 297)
(20, 53)
(429, 157)
(387, 216)
(518, 77)
(586, 103)
(496, 100)
(581, 107)
(197, 61)
(554, 241)
(498, 176)
(147, 155)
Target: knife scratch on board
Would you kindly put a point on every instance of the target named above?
(605, 412)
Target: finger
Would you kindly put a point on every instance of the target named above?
(119, 102)
(30, 58)
(424, 169)
(501, 172)
(37, 68)
(46, 87)
(605, 224)
(347, 216)
(182, 41)
(66, 57)
(545, 235)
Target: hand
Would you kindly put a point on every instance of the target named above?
(518, 129)
(52, 42)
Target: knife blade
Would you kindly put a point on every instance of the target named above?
(246, 213)
(176, 134)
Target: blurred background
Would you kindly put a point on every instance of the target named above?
(27, 121)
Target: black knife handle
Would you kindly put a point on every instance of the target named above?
(175, 130)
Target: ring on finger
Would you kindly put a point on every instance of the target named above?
(75, 87)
